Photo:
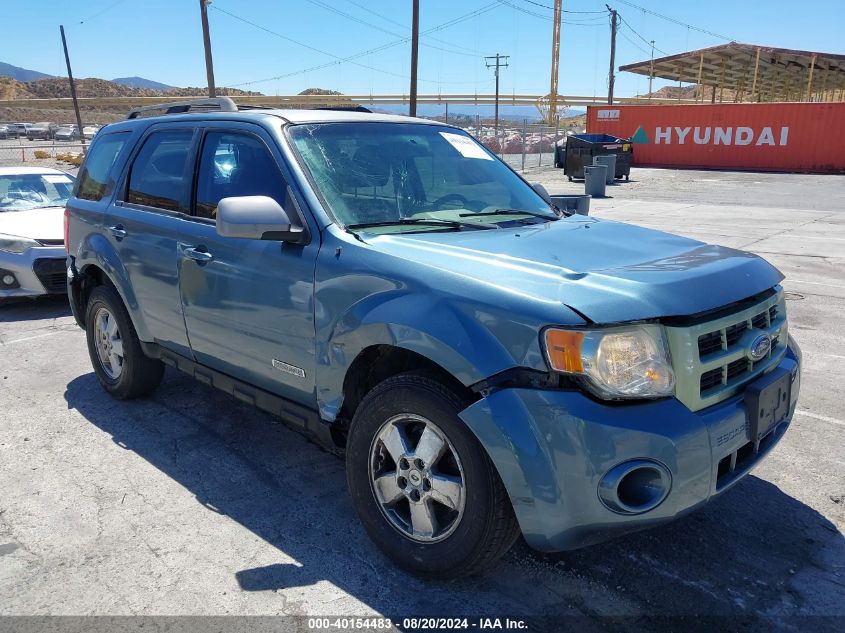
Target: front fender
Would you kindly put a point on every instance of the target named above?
(439, 333)
(95, 250)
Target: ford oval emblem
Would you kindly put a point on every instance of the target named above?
(760, 346)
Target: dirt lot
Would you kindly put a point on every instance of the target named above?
(191, 503)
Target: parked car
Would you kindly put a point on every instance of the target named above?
(489, 363)
(4, 131)
(90, 131)
(17, 130)
(67, 133)
(43, 131)
(32, 250)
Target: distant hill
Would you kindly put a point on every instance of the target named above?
(21, 74)
(140, 82)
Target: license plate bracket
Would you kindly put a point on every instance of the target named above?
(767, 401)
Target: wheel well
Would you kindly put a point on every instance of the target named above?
(378, 363)
(92, 277)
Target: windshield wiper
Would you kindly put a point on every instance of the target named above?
(455, 224)
(536, 214)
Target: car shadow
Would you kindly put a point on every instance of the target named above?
(31, 309)
(736, 557)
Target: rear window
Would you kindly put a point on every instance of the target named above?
(93, 182)
(160, 174)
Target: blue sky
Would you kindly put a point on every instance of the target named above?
(161, 40)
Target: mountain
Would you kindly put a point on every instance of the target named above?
(140, 82)
(21, 74)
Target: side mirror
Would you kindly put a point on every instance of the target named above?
(540, 189)
(256, 218)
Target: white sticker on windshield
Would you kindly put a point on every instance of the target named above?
(56, 178)
(466, 146)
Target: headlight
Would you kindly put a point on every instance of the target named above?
(15, 244)
(623, 362)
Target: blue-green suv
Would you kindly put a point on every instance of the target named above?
(491, 364)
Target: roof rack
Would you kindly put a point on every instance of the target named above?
(214, 104)
(341, 108)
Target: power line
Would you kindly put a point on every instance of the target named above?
(405, 26)
(545, 6)
(354, 18)
(587, 21)
(102, 11)
(351, 58)
(676, 21)
(645, 41)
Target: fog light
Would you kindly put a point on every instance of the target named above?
(635, 487)
(8, 280)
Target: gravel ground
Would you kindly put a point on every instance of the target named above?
(192, 503)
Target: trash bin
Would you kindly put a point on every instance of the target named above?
(560, 153)
(595, 180)
(610, 161)
(581, 148)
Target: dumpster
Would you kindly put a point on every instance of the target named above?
(581, 148)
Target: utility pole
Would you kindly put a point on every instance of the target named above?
(501, 62)
(555, 61)
(611, 76)
(415, 47)
(651, 69)
(72, 89)
(206, 40)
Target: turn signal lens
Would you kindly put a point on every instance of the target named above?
(564, 350)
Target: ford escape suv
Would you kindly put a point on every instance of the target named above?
(490, 364)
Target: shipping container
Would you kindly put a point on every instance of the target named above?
(800, 137)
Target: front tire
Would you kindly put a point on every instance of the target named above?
(421, 483)
(120, 364)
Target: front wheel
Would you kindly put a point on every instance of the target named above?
(119, 362)
(422, 485)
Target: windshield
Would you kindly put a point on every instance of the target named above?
(385, 174)
(19, 192)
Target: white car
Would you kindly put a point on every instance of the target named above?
(32, 245)
(90, 131)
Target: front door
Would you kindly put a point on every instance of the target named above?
(248, 304)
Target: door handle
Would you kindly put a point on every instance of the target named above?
(197, 255)
(118, 231)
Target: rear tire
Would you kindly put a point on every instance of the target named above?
(447, 514)
(120, 364)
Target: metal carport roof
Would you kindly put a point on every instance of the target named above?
(754, 73)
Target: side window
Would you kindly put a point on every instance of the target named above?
(159, 176)
(93, 183)
(233, 164)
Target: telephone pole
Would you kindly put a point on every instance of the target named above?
(501, 62)
(611, 76)
(206, 40)
(72, 89)
(555, 61)
(415, 46)
(651, 69)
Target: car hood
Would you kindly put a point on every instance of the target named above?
(608, 271)
(36, 224)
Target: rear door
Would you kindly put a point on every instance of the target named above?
(248, 303)
(143, 226)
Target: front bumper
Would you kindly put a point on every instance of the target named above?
(38, 271)
(553, 448)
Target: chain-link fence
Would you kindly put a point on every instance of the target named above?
(522, 145)
(53, 153)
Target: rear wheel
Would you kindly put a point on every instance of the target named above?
(116, 355)
(422, 485)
